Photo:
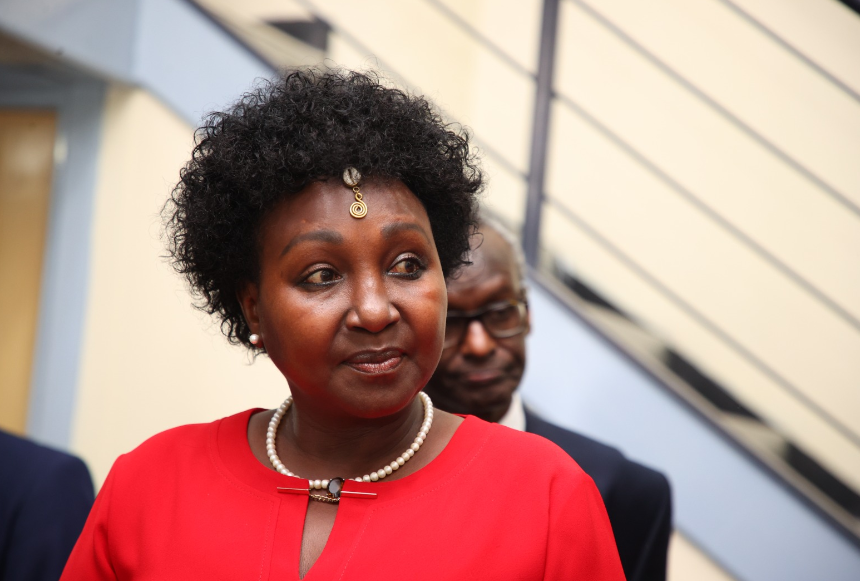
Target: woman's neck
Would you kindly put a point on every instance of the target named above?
(348, 451)
(318, 445)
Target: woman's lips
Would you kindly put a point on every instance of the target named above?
(375, 362)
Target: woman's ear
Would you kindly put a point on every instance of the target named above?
(248, 295)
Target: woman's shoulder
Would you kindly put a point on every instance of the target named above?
(182, 445)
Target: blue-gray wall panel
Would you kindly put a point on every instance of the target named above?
(189, 61)
(724, 501)
(95, 34)
(65, 270)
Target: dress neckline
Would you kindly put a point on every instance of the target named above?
(233, 452)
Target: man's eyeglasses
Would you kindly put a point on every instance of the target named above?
(501, 320)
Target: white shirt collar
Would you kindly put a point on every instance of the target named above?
(515, 417)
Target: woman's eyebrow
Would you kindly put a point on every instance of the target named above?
(329, 236)
(391, 229)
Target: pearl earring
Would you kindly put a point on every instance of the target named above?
(254, 339)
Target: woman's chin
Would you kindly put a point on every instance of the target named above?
(377, 404)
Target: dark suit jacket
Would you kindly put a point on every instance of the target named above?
(45, 497)
(638, 499)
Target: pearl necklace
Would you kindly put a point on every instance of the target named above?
(373, 476)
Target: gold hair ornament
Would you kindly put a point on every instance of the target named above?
(352, 179)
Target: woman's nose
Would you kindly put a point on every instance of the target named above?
(372, 309)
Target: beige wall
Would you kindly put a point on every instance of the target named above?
(688, 563)
(689, 251)
(149, 361)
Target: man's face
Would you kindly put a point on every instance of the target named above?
(479, 374)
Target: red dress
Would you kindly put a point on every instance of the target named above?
(194, 503)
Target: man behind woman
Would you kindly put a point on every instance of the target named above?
(481, 368)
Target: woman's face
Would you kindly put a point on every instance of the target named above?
(351, 311)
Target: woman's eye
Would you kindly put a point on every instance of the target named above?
(407, 267)
(322, 276)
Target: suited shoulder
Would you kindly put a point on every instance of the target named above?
(526, 451)
(645, 485)
(607, 465)
(25, 461)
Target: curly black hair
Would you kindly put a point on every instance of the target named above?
(287, 133)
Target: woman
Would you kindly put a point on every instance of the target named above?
(318, 219)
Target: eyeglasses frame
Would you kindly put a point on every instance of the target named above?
(475, 315)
